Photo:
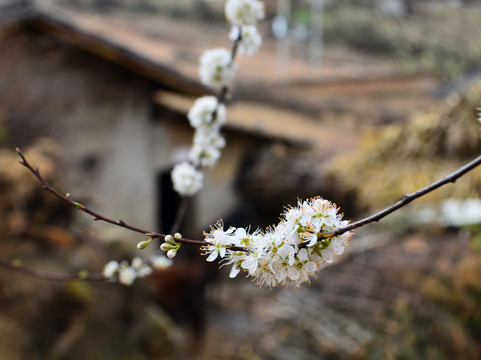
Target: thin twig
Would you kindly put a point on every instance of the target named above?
(97, 216)
(408, 198)
(221, 97)
(180, 215)
(86, 276)
(373, 218)
(38, 274)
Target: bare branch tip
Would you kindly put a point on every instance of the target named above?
(22, 158)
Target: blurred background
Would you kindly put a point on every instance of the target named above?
(357, 101)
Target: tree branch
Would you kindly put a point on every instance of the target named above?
(97, 216)
(38, 274)
(184, 201)
(409, 198)
(360, 223)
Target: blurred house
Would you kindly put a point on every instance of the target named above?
(111, 98)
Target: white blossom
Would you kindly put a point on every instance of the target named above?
(127, 275)
(244, 12)
(207, 144)
(456, 212)
(138, 268)
(219, 239)
(234, 271)
(110, 270)
(206, 111)
(137, 263)
(186, 179)
(206, 156)
(287, 254)
(142, 269)
(160, 262)
(216, 68)
(208, 136)
(251, 40)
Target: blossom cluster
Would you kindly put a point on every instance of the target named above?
(208, 114)
(244, 12)
(186, 179)
(207, 117)
(287, 254)
(126, 273)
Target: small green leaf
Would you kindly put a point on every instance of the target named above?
(83, 274)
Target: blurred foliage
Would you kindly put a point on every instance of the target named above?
(443, 319)
(25, 209)
(439, 316)
(3, 134)
(475, 241)
(413, 332)
(402, 158)
(437, 39)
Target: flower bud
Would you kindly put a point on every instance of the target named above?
(171, 253)
(166, 247)
(178, 236)
(142, 244)
(169, 239)
(83, 274)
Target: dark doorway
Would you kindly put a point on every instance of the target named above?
(168, 203)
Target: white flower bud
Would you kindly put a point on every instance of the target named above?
(166, 246)
(142, 244)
